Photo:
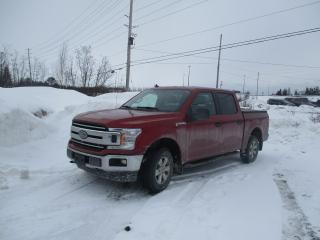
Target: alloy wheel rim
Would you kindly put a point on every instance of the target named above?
(253, 149)
(162, 170)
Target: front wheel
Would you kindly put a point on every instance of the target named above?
(251, 153)
(157, 170)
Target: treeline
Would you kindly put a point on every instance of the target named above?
(309, 91)
(77, 70)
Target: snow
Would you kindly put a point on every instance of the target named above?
(43, 196)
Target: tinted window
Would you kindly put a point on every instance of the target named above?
(164, 100)
(204, 100)
(226, 103)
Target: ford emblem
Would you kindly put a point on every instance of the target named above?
(83, 134)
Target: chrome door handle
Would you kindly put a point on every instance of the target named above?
(180, 124)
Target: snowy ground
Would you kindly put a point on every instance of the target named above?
(43, 196)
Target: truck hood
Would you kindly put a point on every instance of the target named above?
(126, 118)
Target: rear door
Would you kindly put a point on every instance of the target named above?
(231, 122)
(203, 135)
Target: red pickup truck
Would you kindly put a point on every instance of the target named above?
(154, 134)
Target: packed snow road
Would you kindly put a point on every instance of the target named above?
(42, 196)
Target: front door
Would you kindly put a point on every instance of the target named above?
(203, 135)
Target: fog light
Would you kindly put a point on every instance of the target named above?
(123, 162)
(118, 162)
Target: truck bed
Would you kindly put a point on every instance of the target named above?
(252, 119)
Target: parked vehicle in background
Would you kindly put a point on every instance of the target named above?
(317, 103)
(276, 101)
(298, 101)
(160, 130)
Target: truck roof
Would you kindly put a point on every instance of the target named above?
(194, 88)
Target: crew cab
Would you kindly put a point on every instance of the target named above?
(154, 134)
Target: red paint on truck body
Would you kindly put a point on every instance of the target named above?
(217, 135)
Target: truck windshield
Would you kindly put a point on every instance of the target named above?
(163, 100)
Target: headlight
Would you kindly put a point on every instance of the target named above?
(128, 137)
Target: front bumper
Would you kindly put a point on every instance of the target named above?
(105, 167)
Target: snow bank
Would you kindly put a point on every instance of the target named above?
(18, 126)
(32, 99)
(32, 113)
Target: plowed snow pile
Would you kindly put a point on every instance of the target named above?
(43, 196)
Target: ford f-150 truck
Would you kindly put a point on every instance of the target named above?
(154, 134)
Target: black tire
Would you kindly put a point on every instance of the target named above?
(251, 153)
(157, 170)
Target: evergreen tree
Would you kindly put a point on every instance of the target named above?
(285, 92)
(307, 92)
(5, 77)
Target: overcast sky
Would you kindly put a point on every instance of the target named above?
(43, 25)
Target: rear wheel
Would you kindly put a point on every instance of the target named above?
(157, 170)
(251, 153)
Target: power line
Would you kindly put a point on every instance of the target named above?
(70, 23)
(83, 26)
(158, 9)
(237, 60)
(231, 24)
(171, 13)
(94, 34)
(229, 60)
(102, 26)
(268, 63)
(226, 46)
(148, 5)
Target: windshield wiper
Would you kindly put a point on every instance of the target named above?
(125, 107)
(148, 108)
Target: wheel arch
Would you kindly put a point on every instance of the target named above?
(169, 143)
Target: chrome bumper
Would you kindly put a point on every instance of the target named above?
(125, 173)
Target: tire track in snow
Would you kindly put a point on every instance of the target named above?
(298, 226)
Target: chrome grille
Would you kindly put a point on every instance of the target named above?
(88, 144)
(93, 136)
(89, 126)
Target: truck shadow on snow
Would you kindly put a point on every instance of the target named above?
(117, 191)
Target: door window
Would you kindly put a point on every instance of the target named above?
(203, 103)
(226, 103)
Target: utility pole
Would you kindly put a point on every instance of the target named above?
(244, 83)
(258, 85)
(130, 43)
(183, 79)
(29, 64)
(218, 67)
(189, 75)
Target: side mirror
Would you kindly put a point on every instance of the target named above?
(198, 113)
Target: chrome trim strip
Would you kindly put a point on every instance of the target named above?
(86, 144)
(88, 126)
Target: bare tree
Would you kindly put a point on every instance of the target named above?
(22, 68)
(71, 73)
(104, 72)
(39, 71)
(14, 67)
(4, 66)
(85, 64)
(62, 64)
